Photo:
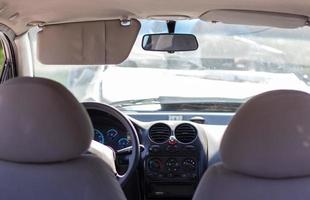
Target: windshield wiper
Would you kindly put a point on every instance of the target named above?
(134, 102)
(198, 104)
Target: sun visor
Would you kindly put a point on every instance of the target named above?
(87, 43)
(258, 18)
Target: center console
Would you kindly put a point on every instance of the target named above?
(173, 166)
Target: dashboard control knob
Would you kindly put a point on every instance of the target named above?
(154, 164)
(189, 164)
(172, 165)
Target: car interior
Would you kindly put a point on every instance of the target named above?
(154, 100)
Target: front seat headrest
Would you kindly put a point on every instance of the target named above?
(270, 136)
(41, 121)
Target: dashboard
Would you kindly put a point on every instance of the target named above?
(174, 156)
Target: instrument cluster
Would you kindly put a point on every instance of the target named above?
(112, 137)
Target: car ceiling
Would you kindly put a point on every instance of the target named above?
(18, 13)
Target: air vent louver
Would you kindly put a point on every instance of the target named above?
(185, 133)
(159, 133)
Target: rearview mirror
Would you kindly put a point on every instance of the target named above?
(169, 42)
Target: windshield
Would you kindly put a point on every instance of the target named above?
(232, 64)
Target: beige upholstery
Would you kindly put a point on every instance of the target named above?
(91, 43)
(265, 151)
(247, 17)
(222, 184)
(54, 11)
(39, 125)
(44, 134)
(85, 178)
(270, 128)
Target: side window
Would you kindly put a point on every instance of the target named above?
(2, 57)
(7, 61)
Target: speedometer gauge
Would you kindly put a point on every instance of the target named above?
(122, 143)
(98, 136)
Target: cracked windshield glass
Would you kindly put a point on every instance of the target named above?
(232, 64)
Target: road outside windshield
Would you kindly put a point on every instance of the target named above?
(232, 64)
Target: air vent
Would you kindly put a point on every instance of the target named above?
(185, 133)
(159, 133)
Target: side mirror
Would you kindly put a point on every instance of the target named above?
(169, 42)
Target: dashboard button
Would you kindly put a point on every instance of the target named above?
(172, 140)
(160, 176)
(172, 148)
(159, 193)
(154, 149)
(190, 148)
(184, 175)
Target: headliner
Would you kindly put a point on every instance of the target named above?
(18, 13)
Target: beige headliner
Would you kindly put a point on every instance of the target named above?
(17, 13)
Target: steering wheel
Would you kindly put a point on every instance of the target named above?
(134, 157)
